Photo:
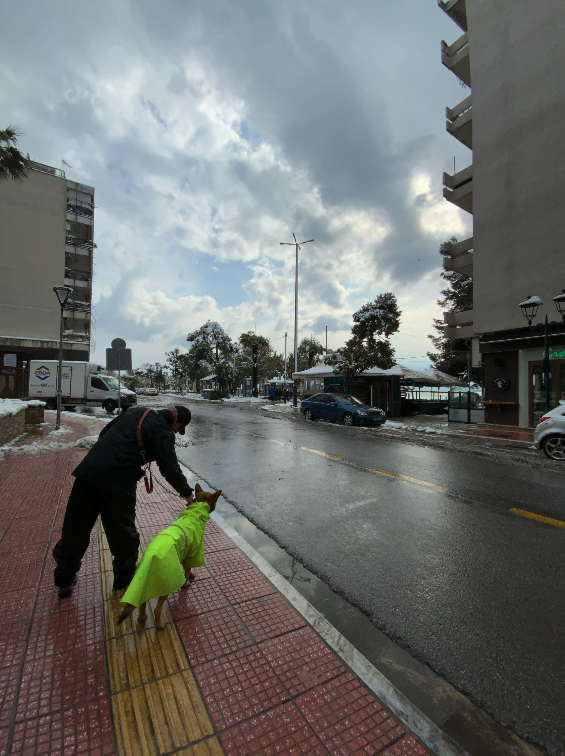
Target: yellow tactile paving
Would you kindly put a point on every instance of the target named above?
(156, 703)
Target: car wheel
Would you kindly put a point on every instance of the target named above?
(554, 447)
(308, 414)
(348, 419)
(109, 405)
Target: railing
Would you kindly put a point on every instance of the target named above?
(73, 336)
(75, 241)
(78, 275)
(47, 169)
(456, 47)
(452, 114)
(85, 209)
(72, 306)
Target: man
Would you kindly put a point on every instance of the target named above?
(105, 485)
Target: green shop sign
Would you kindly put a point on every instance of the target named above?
(553, 355)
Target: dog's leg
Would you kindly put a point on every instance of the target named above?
(125, 613)
(142, 616)
(158, 609)
(189, 577)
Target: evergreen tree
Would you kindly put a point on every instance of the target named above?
(381, 318)
(210, 353)
(309, 351)
(178, 367)
(356, 356)
(451, 354)
(13, 164)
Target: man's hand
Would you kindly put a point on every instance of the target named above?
(189, 499)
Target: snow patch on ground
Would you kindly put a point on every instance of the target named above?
(87, 442)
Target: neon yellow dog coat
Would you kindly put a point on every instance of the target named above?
(160, 571)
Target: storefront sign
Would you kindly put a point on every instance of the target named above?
(500, 384)
(553, 355)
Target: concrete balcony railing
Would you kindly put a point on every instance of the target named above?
(453, 319)
(460, 259)
(456, 10)
(456, 58)
(465, 332)
(458, 189)
(460, 121)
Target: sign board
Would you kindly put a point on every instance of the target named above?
(118, 359)
(118, 344)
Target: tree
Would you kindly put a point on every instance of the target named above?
(178, 365)
(309, 350)
(269, 363)
(13, 164)
(451, 354)
(210, 353)
(356, 356)
(381, 318)
(135, 378)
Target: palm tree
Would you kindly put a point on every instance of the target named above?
(13, 164)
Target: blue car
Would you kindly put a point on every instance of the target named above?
(343, 407)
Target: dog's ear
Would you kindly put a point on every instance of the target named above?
(213, 500)
(217, 495)
(198, 487)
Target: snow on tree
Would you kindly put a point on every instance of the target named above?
(210, 353)
(309, 350)
(381, 318)
(356, 356)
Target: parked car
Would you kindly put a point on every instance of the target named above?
(147, 392)
(549, 434)
(342, 407)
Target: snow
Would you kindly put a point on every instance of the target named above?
(535, 300)
(87, 442)
(13, 406)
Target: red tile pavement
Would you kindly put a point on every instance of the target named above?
(269, 683)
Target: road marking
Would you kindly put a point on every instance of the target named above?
(322, 454)
(410, 480)
(540, 518)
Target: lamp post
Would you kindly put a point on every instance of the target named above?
(297, 245)
(62, 293)
(529, 308)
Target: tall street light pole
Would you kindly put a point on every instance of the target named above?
(63, 293)
(297, 246)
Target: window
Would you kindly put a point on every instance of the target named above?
(324, 398)
(98, 383)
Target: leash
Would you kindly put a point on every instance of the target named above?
(146, 464)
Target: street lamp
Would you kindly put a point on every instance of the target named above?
(529, 308)
(560, 304)
(62, 293)
(297, 245)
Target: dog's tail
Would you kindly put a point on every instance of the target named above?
(125, 614)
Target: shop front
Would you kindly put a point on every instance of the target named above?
(515, 390)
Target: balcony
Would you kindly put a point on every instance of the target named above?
(460, 121)
(76, 336)
(78, 207)
(456, 58)
(458, 325)
(460, 259)
(76, 241)
(458, 189)
(456, 10)
(72, 305)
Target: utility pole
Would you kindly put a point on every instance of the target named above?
(326, 339)
(297, 246)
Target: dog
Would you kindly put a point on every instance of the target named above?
(168, 560)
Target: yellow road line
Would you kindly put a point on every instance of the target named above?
(322, 454)
(540, 518)
(410, 480)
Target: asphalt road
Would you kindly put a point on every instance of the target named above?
(438, 562)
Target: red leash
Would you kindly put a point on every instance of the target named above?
(146, 465)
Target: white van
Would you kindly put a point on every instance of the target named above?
(81, 383)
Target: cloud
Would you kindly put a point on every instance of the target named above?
(213, 131)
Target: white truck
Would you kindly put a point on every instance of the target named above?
(81, 383)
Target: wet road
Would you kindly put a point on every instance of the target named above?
(438, 562)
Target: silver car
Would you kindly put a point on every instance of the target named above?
(549, 434)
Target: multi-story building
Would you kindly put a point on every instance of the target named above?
(46, 240)
(510, 52)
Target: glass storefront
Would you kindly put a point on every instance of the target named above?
(537, 388)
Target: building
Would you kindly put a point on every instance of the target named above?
(46, 240)
(510, 53)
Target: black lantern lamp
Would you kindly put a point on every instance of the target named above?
(63, 293)
(560, 304)
(529, 308)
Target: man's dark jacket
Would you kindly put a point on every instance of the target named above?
(115, 463)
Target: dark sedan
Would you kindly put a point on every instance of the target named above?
(343, 407)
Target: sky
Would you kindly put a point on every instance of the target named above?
(212, 131)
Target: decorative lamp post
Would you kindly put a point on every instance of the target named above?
(529, 308)
(560, 304)
(63, 293)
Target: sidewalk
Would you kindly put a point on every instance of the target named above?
(236, 671)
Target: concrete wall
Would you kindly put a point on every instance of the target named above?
(516, 49)
(32, 255)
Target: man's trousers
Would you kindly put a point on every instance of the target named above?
(117, 512)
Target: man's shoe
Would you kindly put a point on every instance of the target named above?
(68, 589)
